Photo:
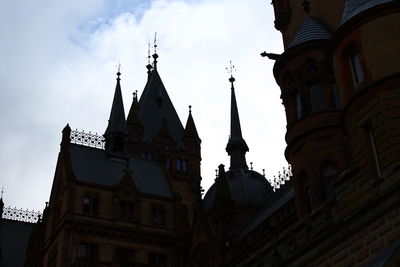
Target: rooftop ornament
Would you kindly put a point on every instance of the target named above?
(87, 139)
(20, 215)
(281, 178)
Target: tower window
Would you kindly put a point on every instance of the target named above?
(306, 192)
(299, 106)
(372, 144)
(317, 97)
(335, 96)
(356, 68)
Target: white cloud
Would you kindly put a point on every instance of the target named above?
(59, 65)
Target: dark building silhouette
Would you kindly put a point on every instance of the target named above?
(132, 197)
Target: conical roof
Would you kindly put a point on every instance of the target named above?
(354, 7)
(310, 29)
(190, 128)
(155, 105)
(117, 122)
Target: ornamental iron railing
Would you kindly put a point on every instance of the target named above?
(87, 139)
(21, 215)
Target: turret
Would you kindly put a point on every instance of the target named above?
(191, 138)
(313, 110)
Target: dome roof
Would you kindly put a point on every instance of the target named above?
(247, 187)
(353, 7)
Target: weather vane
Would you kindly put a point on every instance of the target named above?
(155, 43)
(231, 68)
(148, 54)
(119, 69)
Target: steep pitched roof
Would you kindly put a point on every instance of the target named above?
(155, 105)
(354, 7)
(190, 128)
(117, 123)
(310, 29)
(96, 166)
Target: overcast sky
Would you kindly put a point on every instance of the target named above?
(59, 62)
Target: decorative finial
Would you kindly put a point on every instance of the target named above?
(2, 190)
(251, 165)
(148, 66)
(263, 170)
(231, 70)
(148, 54)
(119, 70)
(306, 6)
(216, 174)
(135, 100)
(155, 43)
(155, 56)
(190, 108)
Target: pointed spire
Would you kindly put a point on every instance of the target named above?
(190, 129)
(236, 146)
(117, 123)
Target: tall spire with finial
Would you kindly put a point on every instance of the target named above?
(236, 146)
(155, 55)
(117, 122)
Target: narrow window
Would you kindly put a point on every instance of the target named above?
(95, 206)
(372, 144)
(317, 97)
(356, 68)
(161, 215)
(158, 215)
(86, 204)
(167, 162)
(304, 180)
(126, 209)
(178, 165)
(184, 165)
(335, 96)
(299, 106)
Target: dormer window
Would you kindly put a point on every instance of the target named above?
(356, 68)
(158, 215)
(126, 209)
(90, 204)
